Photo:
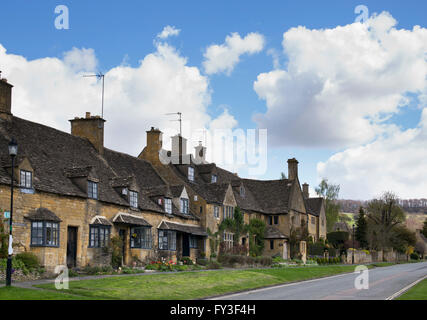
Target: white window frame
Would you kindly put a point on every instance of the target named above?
(26, 179)
(191, 173)
(168, 205)
(133, 199)
(184, 205)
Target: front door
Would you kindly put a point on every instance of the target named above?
(185, 245)
(122, 234)
(71, 247)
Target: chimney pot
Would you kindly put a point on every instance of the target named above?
(305, 190)
(292, 169)
(5, 100)
(87, 115)
(91, 129)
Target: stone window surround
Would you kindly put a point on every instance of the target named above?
(44, 231)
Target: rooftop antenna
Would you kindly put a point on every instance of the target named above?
(99, 75)
(180, 120)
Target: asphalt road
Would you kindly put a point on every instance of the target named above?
(384, 282)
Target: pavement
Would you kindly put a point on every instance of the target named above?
(385, 283)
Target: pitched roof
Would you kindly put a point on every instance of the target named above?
(131, 219)
(314, 205)
(186, 228)
(273, 233)
(58, 158)
(42, 214)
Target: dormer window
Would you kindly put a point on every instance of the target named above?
(26, 180)
(184, 205)
(133, 199)
(214, 178)
(168, 205)
(191, 173)
(242, 191)
(92, 190)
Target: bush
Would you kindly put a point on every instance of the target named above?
(16, 265)
(187, 261)
(415, 256)
(29, 259)
(202, 261)
(180, 268)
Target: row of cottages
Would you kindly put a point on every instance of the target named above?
(72, 195)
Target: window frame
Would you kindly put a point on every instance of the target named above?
(228, 212)
(193, 242)
(190, 173)
(167, 205)
(184, 204)
(216, 212)
(214, 178)
(92, 190)
(275, 220)
(133, 199)
(145, 238)
(54, 233)
(24, 184)
(97, 242)
(167, 235)
(271, 244)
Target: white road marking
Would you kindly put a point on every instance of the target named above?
(400, 292)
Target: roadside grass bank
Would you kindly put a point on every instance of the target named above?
(193, 285)
(16, 293)
(418, 292)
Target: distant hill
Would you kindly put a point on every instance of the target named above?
(408, 205)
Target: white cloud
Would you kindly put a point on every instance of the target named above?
(341, 84)
(168, 31)
(224, 57)
(52, 91)
(81, 59)
(395, 162)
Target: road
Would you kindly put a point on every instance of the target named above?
(383, 283)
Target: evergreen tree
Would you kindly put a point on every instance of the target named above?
(361, 231)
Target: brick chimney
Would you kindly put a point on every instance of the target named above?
(153, 147)
(91, 128)
(5, 99)
(292, 169)
(305, 190)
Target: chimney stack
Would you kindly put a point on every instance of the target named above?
(292, 169)
(91, 128)
(200, 154)
(179, 150)
(153, 147)
(305, 190)
(5, 99)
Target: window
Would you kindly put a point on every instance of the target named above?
(191, 173)
(99, 235)
(184, 205)
(193, 242)
(45, 233)
(214, 178)
(92, 190)
(168, 205)
(270, 220)
(140, 237)
(26, 179)
(313, 220)
(323, 222)
(228, 212)
(133, 199)
(195, 198)
(216, 212)
(276, 219)
(271, 244)
(201, 209)
(228, 239)
(167, 240)
(242, 191)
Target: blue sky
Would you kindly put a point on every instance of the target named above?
(126, 31)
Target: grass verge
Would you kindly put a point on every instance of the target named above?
(418, 292)
(15, 293)
(193, 285)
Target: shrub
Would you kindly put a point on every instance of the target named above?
(202, 261)
(29, 259)
(415, 256)
(214, 265)
(187, 261)
(180, 268)
(116, 244)
(16, 264)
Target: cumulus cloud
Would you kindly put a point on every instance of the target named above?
(224, 57)
(342, 84)
(395, 162)
(168, 31)
(52, 91)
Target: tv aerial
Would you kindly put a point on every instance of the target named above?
(99, 75)
(180, 120)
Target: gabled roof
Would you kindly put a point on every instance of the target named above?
(273, 233)
(314, 205)
(186, 228)
(130, 219)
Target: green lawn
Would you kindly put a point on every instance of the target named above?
(14, 293)
(418, 292)
(192, 285)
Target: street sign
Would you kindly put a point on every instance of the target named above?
(7, 215)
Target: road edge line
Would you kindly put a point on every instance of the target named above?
(402, 291)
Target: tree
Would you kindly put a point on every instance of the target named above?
(361, 232)
(330, 193)
(384, 215)
(420, 248)
(256, 237)
(424, 231)
(403, 239)
(236, 225)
